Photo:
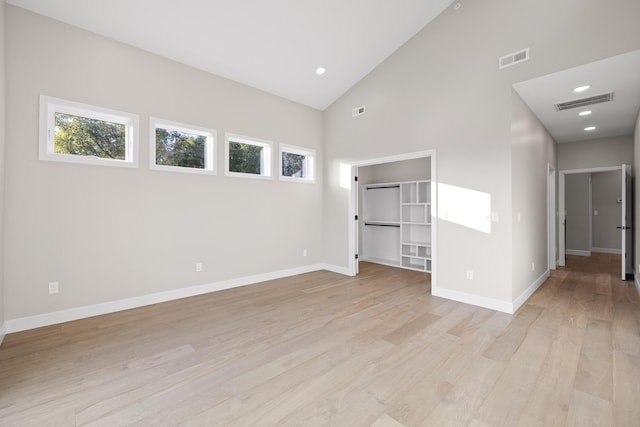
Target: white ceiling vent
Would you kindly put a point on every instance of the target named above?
(597, 99)
(358, 111)
(513, 58)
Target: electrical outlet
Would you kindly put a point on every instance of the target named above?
(198, 267)
(469, 274)
(54, 287)
(304, 252)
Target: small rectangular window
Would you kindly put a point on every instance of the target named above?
(81, 133)
(182, 148)
(247, 157)
(297, 163)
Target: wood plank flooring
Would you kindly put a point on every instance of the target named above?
(322, 349)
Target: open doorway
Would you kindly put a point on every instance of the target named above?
(386, 169)
(595, 214)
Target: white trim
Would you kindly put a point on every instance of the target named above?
(591, 170)
(345, 271)
(551, 217)
(210, 157)
(637, 284)
(49, 106)
(31, 322)
(3, 332)
(310, 155)
(267, 156)
(518, 302)
(490, 303)
(578, 252)
(607, 250)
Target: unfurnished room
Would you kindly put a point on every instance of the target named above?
(319, 213)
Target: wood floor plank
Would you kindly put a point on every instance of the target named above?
(321, 349)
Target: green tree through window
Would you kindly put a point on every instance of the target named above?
(83, 136)
(182, 149)
(245, 158)
(293, 165)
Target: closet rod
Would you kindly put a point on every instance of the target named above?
(383, 186)
(382, 225)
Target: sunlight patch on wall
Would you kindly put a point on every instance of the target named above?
(345, 176)
(462, 206)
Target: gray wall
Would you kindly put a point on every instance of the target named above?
(2, 167)
(110, 233)
(595, 153)
(606, 189)
(577, 195)
(533, 150)
(442, 90)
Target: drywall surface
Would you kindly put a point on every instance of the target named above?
(2, 166)
(443, 91)
(606, 191)
(636, 196)
(533, 150)
(406, 170)
(596, 153)
(577, 204)
(110, 233)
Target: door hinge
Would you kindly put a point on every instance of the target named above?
(356, 256)
(356, 217)
(355, 178)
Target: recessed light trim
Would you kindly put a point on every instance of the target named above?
(581, 89)
(320, 71)
(585, 113)
(590, 128)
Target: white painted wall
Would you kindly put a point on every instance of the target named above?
(114, 233)
(533, 149)
(442, 90)
(636, 206)
(596, 153)
(2, 168)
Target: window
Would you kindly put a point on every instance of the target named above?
(80, 133)
(248, 157)
(297, 164)
(182, 148)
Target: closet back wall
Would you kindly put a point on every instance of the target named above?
(109, 233)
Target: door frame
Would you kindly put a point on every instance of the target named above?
(353, 205)
(551, 217)
(562, 209)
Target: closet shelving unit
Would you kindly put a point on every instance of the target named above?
(397, 224)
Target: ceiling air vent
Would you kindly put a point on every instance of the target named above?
(358, 111)
(513, 58)
(597, 99)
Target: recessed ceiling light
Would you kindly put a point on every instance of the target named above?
(590, 128)
(320, 71)
(584, 113)
(581, 88)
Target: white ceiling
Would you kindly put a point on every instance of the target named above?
(620, 74)
(272, 45)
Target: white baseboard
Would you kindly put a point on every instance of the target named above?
(607, 250)
(490, 303)
(3, 332)
(336, 269)
(32, 322)
(517, 303)
(578, 252)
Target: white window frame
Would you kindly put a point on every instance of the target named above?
(49, 106)
(267, 157)
(210, 146)
(310, 155)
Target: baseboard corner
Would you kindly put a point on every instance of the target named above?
(519, 302)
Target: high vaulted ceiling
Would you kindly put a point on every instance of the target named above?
(272, 45)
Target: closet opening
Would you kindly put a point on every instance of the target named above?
(392, 212)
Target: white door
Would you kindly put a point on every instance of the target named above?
(626, 220)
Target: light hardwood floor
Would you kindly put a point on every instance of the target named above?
(324, 349)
